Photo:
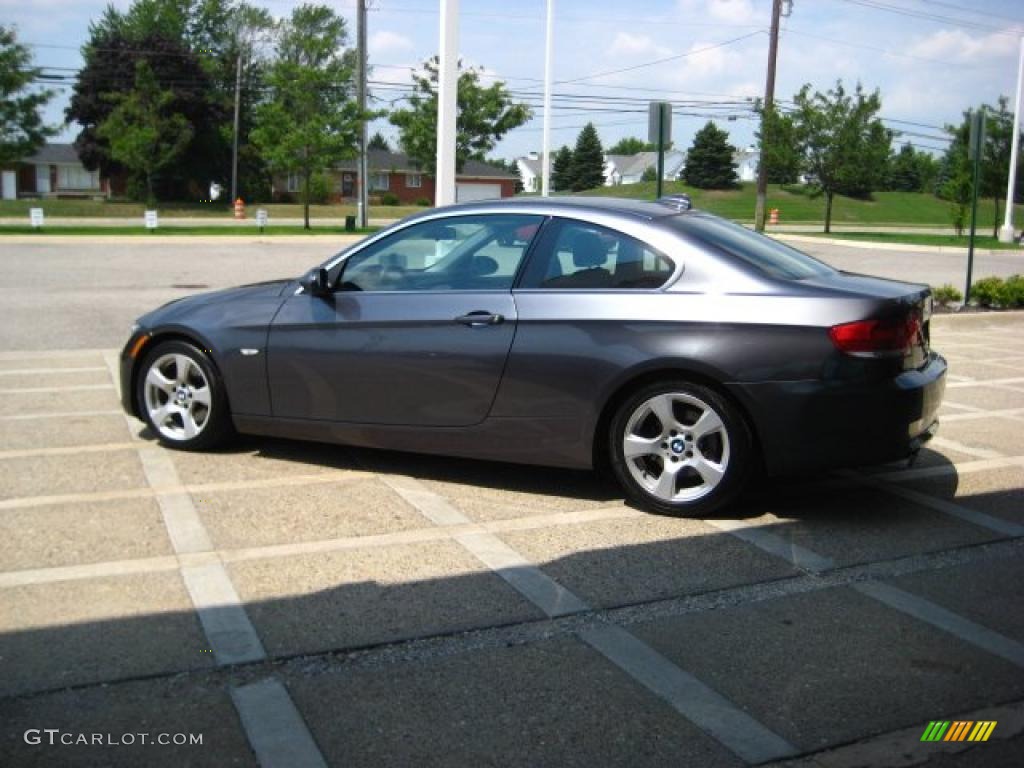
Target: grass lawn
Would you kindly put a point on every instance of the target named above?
(980, 241)
(104, 209)
(248, 231)
(796, 206)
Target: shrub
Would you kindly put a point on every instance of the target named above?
(389, 198)
(423, 202)
(946, 294)
(1011, 294)
(987, 291)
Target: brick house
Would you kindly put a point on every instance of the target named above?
(53, 171)
(394, 173)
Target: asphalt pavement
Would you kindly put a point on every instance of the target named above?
(291, 604)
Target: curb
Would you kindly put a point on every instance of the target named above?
(880, 246)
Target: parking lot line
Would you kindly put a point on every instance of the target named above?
(996, 524)
(43, 354)
(701, 705)
(937, 616)
(43, 371)
(953, 445)
(59, 415)
(44, 390)
(67, 450)
(758, 536)
(983, 383)
(962, 468)
(275, 728)
(1006, 413)
(431, 505)
(89, 571)
(225, 622)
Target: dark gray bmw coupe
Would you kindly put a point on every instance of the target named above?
(678, 349)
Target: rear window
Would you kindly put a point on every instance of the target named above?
(770, 256)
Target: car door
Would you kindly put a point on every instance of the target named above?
(416, 330)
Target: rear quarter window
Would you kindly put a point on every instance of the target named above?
(769, 256)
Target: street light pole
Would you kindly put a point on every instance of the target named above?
(769, 100)
(1006, 232)
(362, 181)
(545, 154)
(447, 103)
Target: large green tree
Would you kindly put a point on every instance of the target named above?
(310, 120)
(144, 132)
(587, 169)
(628, 146)
(22, 130)
(845, 147)
(778, 145)
(561, 170)
(485, 115)
(709, 161)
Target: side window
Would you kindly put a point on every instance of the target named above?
(579, 255)
(461, 253)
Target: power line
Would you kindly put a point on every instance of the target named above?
(901, 11)
(965, 9)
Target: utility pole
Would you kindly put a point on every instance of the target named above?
(769, 101)
(1006, 232)
(362, 182)
(234, 147)
(447, 103)
(545, 153)
(975, 148)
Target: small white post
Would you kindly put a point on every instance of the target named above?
(447, 105)
(1006, 232)
(545, 154)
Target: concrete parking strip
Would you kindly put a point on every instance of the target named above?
(225, 622)
(953, 445)
(983, 383)
(274, 726)
(941, 618)
(44, 371)
(53, 390)
(766, 541)
(1007, 413)
(59, 415)
(998, 525)
(69, 450)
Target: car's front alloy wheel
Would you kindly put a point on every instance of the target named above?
(680, 448)
(182, 397)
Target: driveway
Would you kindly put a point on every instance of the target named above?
(296, 604)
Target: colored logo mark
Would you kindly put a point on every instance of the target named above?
(958, 730)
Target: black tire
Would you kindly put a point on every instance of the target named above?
(685, 491)
(210, 424)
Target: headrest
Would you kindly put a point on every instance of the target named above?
(588, 250)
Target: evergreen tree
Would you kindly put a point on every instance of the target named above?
(628, 146)
(377, 141)
(904, 171)
(587, 160)
(561, 170)
(709, 163)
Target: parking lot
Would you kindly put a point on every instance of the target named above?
(299, 604)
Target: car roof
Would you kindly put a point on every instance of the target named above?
(627, 207)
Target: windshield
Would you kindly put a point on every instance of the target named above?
(769, 256)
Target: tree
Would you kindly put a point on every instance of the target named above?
(628, 146)
(587, 169)
(844, 145)
(904, 173)
(778, 146)
(144, 133)
(22, 131)
(709, 161)
(484, 116)
(309, 121)
(377, 141)
(561, 170)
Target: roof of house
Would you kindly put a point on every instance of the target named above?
(54, 154)
(628, 165)
(398, 162)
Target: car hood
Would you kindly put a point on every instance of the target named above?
(178, 308)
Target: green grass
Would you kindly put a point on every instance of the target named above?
(796, 206)
(117, 210)
(248, 231)
(980, 241)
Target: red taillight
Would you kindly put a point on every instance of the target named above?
(892, 336)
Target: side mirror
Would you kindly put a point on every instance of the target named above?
(316, 283)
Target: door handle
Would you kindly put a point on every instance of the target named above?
(480, 318)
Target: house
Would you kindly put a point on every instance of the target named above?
(394, 173)
(746, 161)
(629, 169)
(53, 171)
(530, 169)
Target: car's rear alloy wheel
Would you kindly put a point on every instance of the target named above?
(182, 397)
(680, 448)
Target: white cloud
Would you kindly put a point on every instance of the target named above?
(957, 45)
(626, 44)
(733, 11)
(386, 42)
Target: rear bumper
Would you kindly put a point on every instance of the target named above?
(805, 425)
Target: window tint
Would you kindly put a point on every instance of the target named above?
(578, 255)
(768, 255)
(464, 253)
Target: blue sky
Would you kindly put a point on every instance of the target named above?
(931, 59)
